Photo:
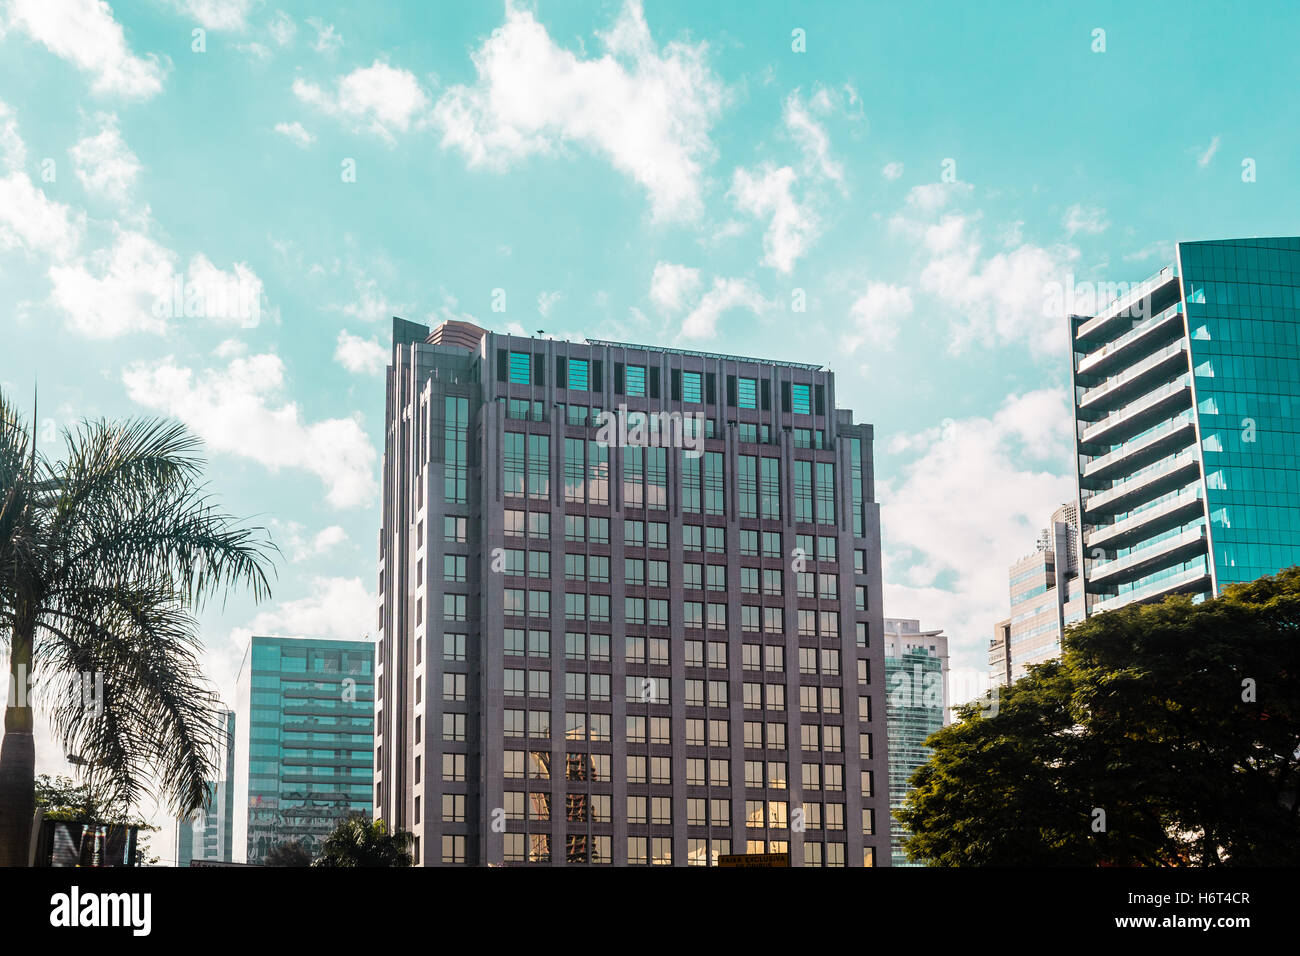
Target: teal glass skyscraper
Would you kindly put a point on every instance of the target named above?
(304, 739)
(1185, 393)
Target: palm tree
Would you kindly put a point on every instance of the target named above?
(358, 842)
(104, 556)
(292, 853)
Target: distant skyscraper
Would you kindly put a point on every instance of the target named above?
(207, 834)
(916, 695)
(1046, 597)
(304, 739)
(1187, 393)
(620, 649)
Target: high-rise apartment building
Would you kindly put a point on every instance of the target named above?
(1186, 393)
(916, 705)
(1046, 597)
(304, 741)
(656, 643)
(207, 834)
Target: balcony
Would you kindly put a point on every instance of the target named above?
(1160, 287)
(1177, 510)
(1193, 580)
(1178, 470)
(1159, 364)
(1174, 435)
(1172, 550)
(1142, 413)
(1167, 323)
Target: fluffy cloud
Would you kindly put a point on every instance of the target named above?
(546, 301)
(766, 192)
(812, 138)
(876, 315)
(671, 286)
(1088, 219)
(996, 299)
(725, 295)
(282, 28)
(219, 14)
(84, 33)
(948, 564)
(358, 355)
(647, 111)
(296, 133)
(32, 221)
(892, 171)
(135, 285)
(379, 97)
(337, 607)
(105, 164)
(239, 411)
(299, 546)
(327, 40)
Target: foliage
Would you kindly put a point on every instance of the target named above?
(105, 554)
(357, 841)
(292, 853)
(1179, 722)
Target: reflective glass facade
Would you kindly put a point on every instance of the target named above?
(304, 741)
(1243, 315)
(1184, 388)
(916, 701)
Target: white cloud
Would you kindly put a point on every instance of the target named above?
(337, 607)
(84, 33)
(812, 138)
(1162, 249)
(946, 564)
(219, 14)
(134, 286)
(876, 315)
(296, 133)
(371, 304)
(32, 221)
(994, 300)
(282, 28)
(546, 301)
(105, 164)
(648, 111)
(299, 547)
(769, 191)
(1208, 155)
(239, 411)
(725, 295)
(892, 171)
(327, 40)
(13, 151)
(358, 355)
(672, 286)
(1087, 219)
(379, 97)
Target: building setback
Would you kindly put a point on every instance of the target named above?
(600, 653)
(916, 681)
(1187, 398)
(304, 741)
(1046, 597)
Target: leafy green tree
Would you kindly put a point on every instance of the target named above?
(1168, 734)
(64, 799)
(292, 853)
(357, 841)
(105, 554)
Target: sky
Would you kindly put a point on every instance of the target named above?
(210, 209)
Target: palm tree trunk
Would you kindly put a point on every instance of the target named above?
(17, 760)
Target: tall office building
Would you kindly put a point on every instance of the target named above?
(304, 741)
(207, 834)
(657, 647)
(916, 705)
(1186, 394)
(1046, 598)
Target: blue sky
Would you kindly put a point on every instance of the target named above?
(917, 175)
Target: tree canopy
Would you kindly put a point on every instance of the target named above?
(1167, 734)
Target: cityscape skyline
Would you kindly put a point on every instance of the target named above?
(859, 180)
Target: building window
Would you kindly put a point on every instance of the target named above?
(636, 381)
(578, 375)
(801, 399)
(521, 368)
(691, 388)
